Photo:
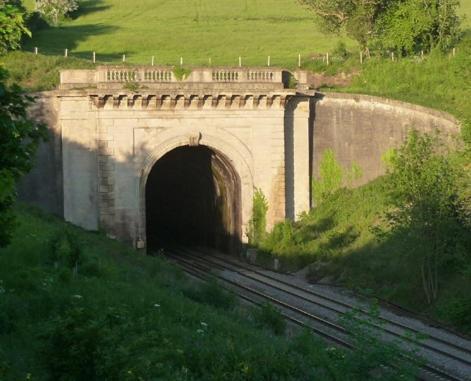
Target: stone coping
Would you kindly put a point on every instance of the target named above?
(389, 102)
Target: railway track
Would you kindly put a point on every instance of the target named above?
(446, 359)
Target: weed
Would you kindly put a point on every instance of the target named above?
(267, 316)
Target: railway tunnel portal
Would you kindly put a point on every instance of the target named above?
(144, 155)
(149, 157)
(193, 198)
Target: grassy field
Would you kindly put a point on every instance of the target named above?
(198, 30)
(105, 312)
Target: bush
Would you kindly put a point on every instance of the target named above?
(211, 293)
(258, 222)
(66, 250)
(267, 316)
(388, 361)
(70, 346)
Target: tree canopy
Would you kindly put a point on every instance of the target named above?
(12, 25)
(405, 26)
(19, 138)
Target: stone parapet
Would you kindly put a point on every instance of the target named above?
(156, 77)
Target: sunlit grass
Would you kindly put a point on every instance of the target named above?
(196, 30)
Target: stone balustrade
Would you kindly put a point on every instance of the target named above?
(104, 75)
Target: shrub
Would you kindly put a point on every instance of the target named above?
(267, 316)
(372, 355)
(70, 346)
(66, 250)
(211, 293)
(258, 222)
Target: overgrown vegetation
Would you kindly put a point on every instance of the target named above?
(19, 138)
(181, 73)
(122, 316)
(258, 222)
(405, 236)
(332, 177)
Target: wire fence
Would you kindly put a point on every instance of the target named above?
(300, 61)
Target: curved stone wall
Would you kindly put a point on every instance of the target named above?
(361, 128)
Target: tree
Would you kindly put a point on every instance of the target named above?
(12, 25)
(411, 26)
(406, 26)
(426, 207)
(357, 17)
(54, 10)
(19, 138)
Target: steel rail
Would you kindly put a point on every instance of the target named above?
(338, 302)
(202, 273)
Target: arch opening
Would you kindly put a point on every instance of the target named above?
(193, 198)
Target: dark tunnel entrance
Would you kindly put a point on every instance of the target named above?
(193, 199)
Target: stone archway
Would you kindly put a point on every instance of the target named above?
(193, 198)
(231, 177)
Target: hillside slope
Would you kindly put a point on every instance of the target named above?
(104, 312)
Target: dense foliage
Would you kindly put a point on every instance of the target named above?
(19, 138)
(404, 26)
(428, 209)
(412, 26)
(12, 25)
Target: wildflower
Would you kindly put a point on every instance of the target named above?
(156, 305)
(203, 324)
(77, 296)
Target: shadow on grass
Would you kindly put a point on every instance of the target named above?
(53, 41)
(89, 6)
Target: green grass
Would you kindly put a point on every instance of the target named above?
(466, 12)
(198, 30)
(118, 315)
(440, 81)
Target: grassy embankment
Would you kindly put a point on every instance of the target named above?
(107, 313)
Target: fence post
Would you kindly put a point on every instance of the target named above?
(392, 56)
(152, 60)
(240, 61)
(454, 52)
(361, 57)
(276, 264)
(94, 57)
(269, 60)
(36, 50)
(422, 54)
(299, 60)
(124, 57)
(327, 59)
(181, 61)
